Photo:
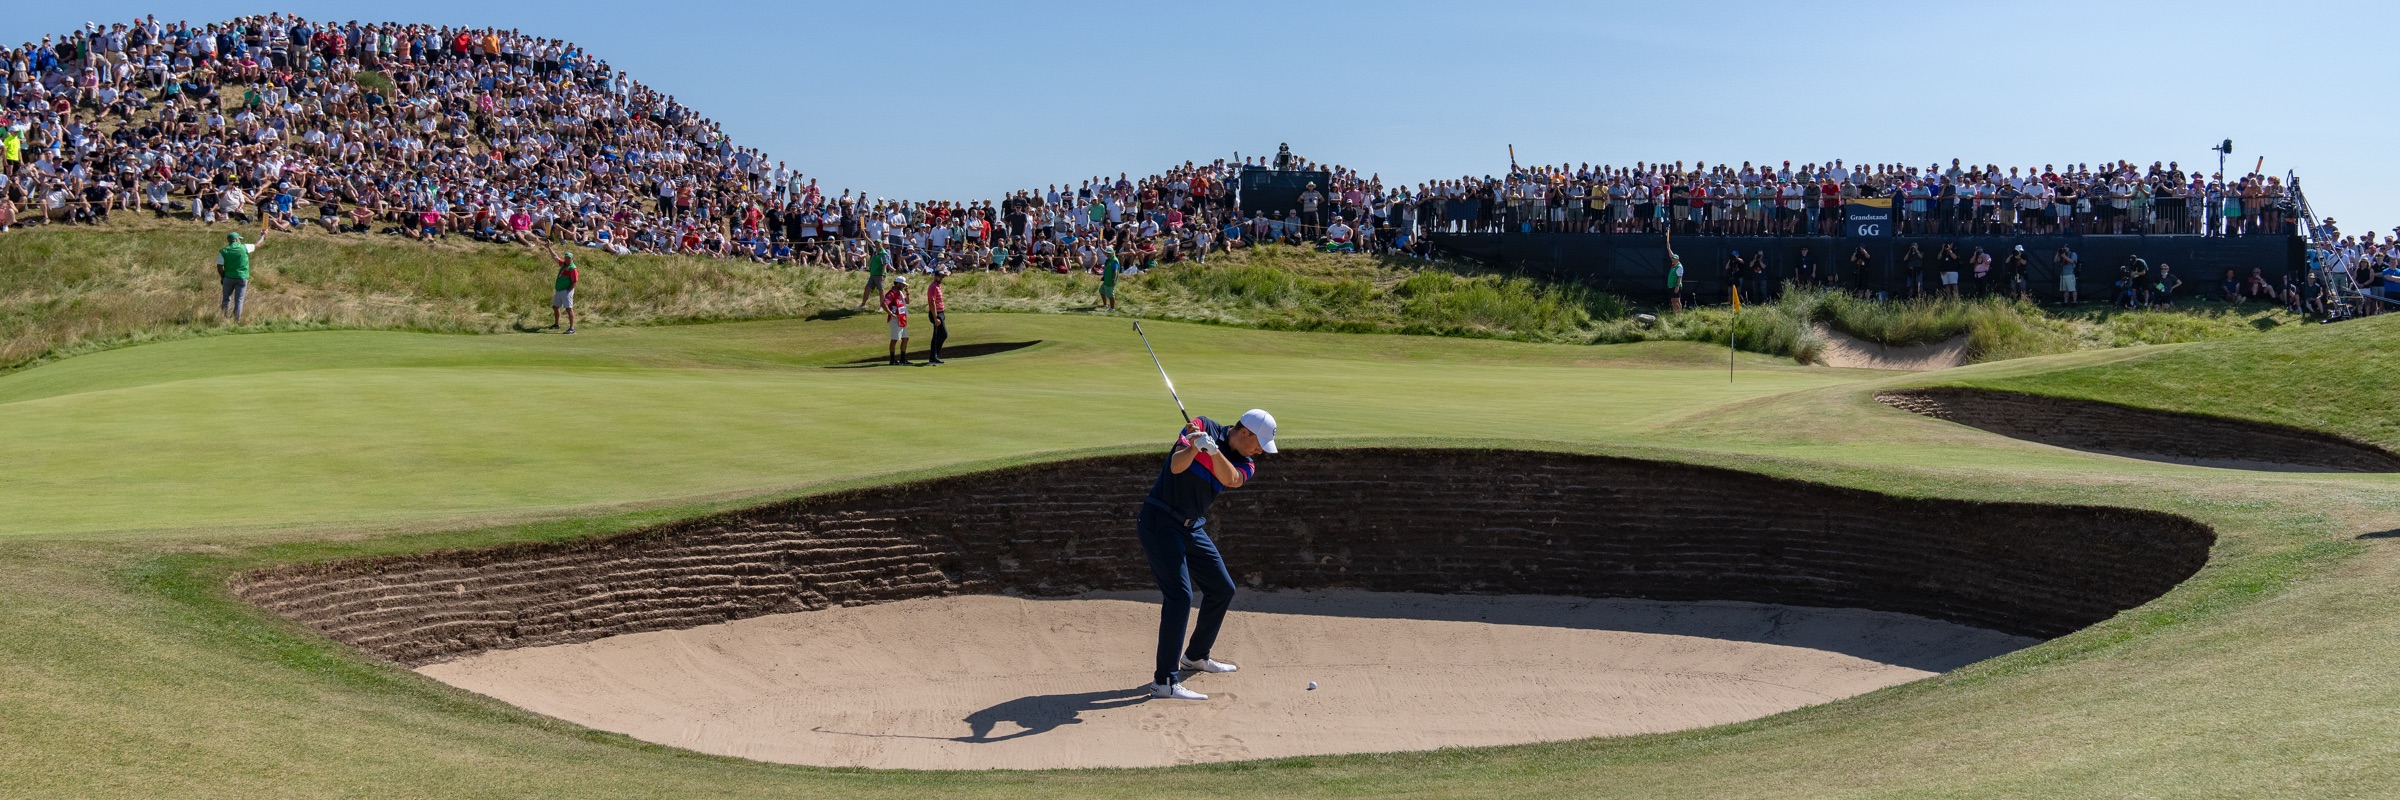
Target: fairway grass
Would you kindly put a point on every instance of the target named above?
(137, 480)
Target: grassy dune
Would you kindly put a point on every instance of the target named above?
(1997, 329)
(65, 291)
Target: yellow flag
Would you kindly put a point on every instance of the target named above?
(1737, 298)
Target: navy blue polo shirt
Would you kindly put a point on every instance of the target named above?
(1189, 494)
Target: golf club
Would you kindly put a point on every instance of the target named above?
(1162, 373)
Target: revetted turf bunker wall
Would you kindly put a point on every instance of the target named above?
(2141, 432)
(1444, 521)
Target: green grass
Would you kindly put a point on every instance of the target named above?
(2340, 378)
(385, 427)
(138, 479)
(1997, 329)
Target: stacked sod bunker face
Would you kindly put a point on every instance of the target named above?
(2149, 434)
(1397, 577)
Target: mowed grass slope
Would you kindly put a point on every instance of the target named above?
(138, 479)
(384, 428)
(2340, 378)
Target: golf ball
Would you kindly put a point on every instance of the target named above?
(1312, 686)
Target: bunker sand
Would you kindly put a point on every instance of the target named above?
(989, 681)
(1845, 350)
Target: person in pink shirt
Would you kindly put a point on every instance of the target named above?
(937, 311)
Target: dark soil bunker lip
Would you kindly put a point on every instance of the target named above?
(1385, 520)
(2147, 434)
(951, 351)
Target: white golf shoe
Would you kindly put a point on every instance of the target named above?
(1208, 665)
(1174, 691)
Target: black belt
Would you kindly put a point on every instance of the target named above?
(1161, 505)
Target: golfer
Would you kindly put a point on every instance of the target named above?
(895, 312)
(937, 311)
(233, 272)
(1207, 460)
(562, 289)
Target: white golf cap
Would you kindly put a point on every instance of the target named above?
(1261, 424)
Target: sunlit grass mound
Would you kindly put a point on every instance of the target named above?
(2335, 378)
(67, 290)
(1997, 328)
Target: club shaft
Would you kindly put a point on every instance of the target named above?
(1162, 373)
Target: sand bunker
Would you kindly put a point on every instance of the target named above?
(2147, 434)
(1845, 350)
(983, 681)
(913, 585)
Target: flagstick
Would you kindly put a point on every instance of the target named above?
(1730, 321)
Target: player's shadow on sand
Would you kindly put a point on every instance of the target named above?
(1043, 713)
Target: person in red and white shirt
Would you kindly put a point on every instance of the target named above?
(895, 311)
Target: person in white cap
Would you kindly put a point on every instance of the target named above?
(1207, 460)
(895, 315)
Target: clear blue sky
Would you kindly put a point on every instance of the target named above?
(967, 99)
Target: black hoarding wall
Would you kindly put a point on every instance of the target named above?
(1276, 191)
(1634, 265)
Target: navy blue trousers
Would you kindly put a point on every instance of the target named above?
(1174, 552)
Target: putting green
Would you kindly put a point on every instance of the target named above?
(136, 480)
(383, 428)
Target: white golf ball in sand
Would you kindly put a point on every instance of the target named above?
(1312, 686)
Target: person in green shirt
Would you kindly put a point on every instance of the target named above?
(874, 292)
(233, 272)
(1108, 281)
(562, 289)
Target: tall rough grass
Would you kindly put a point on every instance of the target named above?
(1996, 328)
(69, 290)
(66, 290)
(1295, 289)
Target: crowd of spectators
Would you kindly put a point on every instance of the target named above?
(406, 129)
(2362, 262)
(1810, 200)
(430, 131)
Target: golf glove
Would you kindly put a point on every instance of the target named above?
(1206, 444)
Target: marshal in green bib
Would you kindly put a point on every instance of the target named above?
(234, 262)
